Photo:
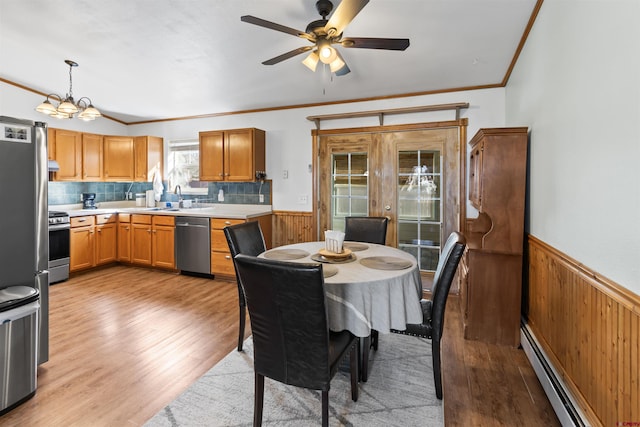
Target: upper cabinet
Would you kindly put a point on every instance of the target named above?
(92, 157)
(67, 151)
(232, 155)
(148, 152)
(497, 178)
(118, 158)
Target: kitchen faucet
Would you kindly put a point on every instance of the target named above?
(179, 193)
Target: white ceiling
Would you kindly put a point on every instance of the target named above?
(152, 59)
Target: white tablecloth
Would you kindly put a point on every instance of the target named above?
(360, 298)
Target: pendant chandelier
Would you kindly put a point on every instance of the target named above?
(67, 107)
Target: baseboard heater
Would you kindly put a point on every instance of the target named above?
(563, 404)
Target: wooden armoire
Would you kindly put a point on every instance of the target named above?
(491, 285)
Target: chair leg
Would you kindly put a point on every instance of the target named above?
(243, 317)
(374, 339)
(325, 408)
(258, 400)
(437, 374)
(364, 368)
(353, 366)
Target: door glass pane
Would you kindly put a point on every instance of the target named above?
(349, 187)
(420, 205)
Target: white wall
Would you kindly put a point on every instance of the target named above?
(289, 133)
(21, 104)
(577, 87)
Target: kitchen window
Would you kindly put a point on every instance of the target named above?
(183, 166)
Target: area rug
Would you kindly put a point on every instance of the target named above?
(399, 392)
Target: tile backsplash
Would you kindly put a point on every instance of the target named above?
(243, 193)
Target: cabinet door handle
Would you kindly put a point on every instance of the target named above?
(221, 174)
(228, 256)
(82, 220)
(126, 228)
(227, 223)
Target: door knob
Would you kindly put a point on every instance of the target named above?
(387, 208)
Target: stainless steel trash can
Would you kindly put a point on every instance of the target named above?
(19, 311)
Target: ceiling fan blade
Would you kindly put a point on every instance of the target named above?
(273, 26)
(288, 55)
(343, 15)
(375, 43)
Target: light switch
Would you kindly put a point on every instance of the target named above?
(285, 174)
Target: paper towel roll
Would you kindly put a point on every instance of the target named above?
(151, 203)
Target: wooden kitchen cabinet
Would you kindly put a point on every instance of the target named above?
(92, 242)
(141, 239)
(106, 238)
(118, 158)
(148, 153)
(163, 252)
(124, 238)
(67, 151)
(491, 283)
(82, 243)
(231, 155)
(92, 157)
(221, 261)
(153, 240)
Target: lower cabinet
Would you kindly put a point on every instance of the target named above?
(106, 238)
(153, 240)
(163, 252)
(221, 261)
(124, 238)
(82, 243)
(93, 241)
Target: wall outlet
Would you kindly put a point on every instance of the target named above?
(302, 199)
(285, 174)
(261, 197)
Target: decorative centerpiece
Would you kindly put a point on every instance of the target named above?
(333, 245)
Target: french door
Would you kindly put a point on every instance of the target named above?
(410, 176)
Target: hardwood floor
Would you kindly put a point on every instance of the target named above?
(126, 341)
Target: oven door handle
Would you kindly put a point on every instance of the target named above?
(56, 227)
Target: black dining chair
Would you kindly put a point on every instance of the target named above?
(245, 238)
(366, 229)
(292, 343)
(433, 310)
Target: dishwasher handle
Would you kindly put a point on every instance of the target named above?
(182, 221)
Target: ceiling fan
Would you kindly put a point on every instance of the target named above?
(324, 33)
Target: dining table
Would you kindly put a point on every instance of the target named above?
(368, 287)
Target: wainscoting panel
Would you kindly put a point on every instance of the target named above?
(589, 327)
(292, 227)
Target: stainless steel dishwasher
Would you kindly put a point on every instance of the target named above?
(193, 247)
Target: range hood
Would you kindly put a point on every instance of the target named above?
(53, 166)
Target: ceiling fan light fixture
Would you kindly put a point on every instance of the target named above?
(311, 61)
(67, 107)
(326, 52)
(337, 63)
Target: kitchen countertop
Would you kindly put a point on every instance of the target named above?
(207, 211)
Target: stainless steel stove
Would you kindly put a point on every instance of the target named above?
(59, 235)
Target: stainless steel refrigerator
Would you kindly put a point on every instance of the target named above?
(24, 235)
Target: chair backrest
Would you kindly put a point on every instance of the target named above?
(368, 229)
(287, 308)
(245, 238)
(443, 277)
